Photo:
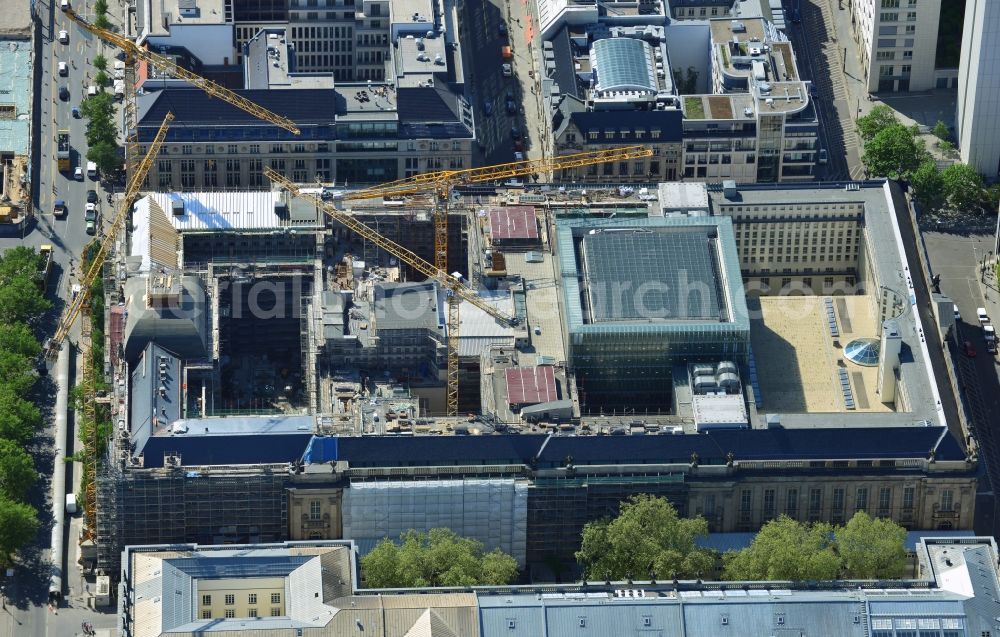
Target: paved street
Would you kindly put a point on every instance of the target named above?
(483, 23)
(26, 613)
(957, 259)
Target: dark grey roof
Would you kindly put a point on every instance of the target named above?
(407, 306)
(246, 449)
(565, 75)
(145, 400)
(191, 106)
(179, 329)
(427, 104)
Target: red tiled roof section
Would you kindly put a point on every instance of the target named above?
(530, 385)
(515, 222)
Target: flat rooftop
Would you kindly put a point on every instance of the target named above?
(885, 258)
(15, 89)
(15, 21)
(798, 361)
(676, 271)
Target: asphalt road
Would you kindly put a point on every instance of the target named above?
(27, 592)
(487, 26)
(956, 258)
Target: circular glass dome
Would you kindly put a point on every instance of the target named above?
(863, 351)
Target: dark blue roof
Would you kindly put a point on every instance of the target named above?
(226, 450)
(426, 104)
(669, 123)
(712, 447)
(191, 106)
(391, 451)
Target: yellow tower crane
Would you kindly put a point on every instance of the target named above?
(440, 183)
(124, 206)
(166, 65)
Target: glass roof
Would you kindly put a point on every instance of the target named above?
(863, 351)
(624, 64)
(644, 274)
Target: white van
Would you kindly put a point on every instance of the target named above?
(71, 503)
(64, 5)
(91, 91)
(982, 315)
(92, 170)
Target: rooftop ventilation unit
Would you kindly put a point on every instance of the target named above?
(177, 207)
(729, 189)
(737, 26)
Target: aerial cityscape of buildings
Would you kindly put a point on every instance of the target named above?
(349, 269)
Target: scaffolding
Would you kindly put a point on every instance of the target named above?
(209, 506)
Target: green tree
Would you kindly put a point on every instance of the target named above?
(872, 548)
(105, 155)
(99, 105)
(877, 120)
(18, 525)
(17, 470)
(647, 539)
(893, 152)
(19, 418)
(101, 79)
(946, 147)
(100, 62)
(101, 7)
(18, 339)
(19, 261)
(940, 130)
(101, 21)
(786, 549)
(964, 187)
(21, 300)
(928, 185)
(439, 557)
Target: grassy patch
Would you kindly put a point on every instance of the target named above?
(694, 108)
(725, 54)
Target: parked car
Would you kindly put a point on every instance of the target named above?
(64, 37)
(488, 108)
(78, 173)
(983, 317)
(510, 104)
(958, 315)
(970, 349)
(91, 212)
(823, 157)
(63, 69)
(91, 196)
(76, 112)
(508, 70)
(59, 209)
(519, 157)
(64, 93)
(92, 227)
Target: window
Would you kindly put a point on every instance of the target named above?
(838, 500)
(861, 499)
(230, 613)
(275, 598)
(889, 17)
(792, 502)
(230, 600)
(911, 16)
(206, 600)
(815, 495)
(206, 614)
(885, 55)
(947, 500)
(890, 4)
(745, 499)
(908, 493)
(911, 29)
(252, 598)
(884, 499)
(186, 149)
(907, 55)
(906, 69)
(251, 612)
(709, 505)
(886, 70)
(886, 43)
(275, 612)
(768, 503)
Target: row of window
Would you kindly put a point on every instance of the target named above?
(230, 599)
(701, 13)
(894, 4)
(838, 494)
(911, 16)
(231, 613)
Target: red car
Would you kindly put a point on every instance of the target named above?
(970, 350)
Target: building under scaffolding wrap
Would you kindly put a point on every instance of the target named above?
(242, 505)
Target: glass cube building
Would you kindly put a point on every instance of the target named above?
(644, 295)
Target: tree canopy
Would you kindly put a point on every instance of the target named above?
(17, 470)
(786, 549)
(964, 187)
(928, 185)
(18, 339)
(872, 547)
(940, 130)
(647, 539)
(439, 557)
(19, 418)
(877, 120)
(893, 152)
(18, 525)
